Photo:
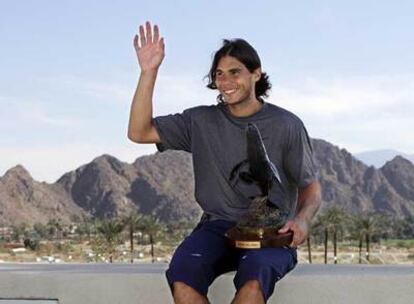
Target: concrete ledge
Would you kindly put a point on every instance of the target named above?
(145, 283)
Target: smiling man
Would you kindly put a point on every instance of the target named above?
(215, 135)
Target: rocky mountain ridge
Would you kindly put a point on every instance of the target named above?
(378, 158)
(162, 184)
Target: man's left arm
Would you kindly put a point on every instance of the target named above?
(309, 200)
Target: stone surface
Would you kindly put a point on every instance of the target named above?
(144, 283)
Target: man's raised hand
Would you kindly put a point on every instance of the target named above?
(149, 48)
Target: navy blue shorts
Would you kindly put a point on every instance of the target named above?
(205, 254)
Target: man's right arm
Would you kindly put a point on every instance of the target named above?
(150, 53)
(140, 128)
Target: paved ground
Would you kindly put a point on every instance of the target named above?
(83, 268)
(146, 283)
(137, 268)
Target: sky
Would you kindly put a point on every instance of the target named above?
(68, 71)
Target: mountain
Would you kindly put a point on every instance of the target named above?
(159, 184)
(400, 174)
(350, 183)
(162, 184)
(23, 199)
(378, 158)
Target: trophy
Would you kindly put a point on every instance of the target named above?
(259, 227)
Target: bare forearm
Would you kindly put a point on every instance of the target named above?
(309, 202)
(140, 118)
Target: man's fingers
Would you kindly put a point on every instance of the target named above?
(294, 242)
(142, 35)
(285, 228)
(299, 230)
(288, 226)
(162, 44)
(149, 32)
(298, 238)
(145, 35)
(156, 33)
(136, 46)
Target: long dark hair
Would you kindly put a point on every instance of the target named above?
(246, 54)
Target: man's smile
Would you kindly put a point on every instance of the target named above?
(229, 92)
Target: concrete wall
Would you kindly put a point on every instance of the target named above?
(144, 283)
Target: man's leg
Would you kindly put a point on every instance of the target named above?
(259, 270)
(250, 293)
(198, 261)
(184, 294)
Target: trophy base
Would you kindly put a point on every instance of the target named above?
(261, 238)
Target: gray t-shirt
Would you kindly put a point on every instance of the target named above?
(217, 141)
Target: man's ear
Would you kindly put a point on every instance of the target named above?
(257, 74)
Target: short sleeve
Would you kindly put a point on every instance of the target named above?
(299, 162)
(174, 131)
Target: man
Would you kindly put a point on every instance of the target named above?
(215, 135)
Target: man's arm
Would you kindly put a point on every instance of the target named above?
(150, 53)
(309, 200)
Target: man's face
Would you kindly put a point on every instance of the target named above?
(235, 82)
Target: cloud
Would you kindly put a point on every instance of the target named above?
(359, 113)
(101, 90)
(27, 113)
(88, 89)
(175, 93)
(48, 161)
(172, 92)
(345, 96)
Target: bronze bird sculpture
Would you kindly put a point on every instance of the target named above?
(263, 216)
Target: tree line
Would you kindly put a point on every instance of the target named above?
(364, 227)
(332, 225)
(104, 235)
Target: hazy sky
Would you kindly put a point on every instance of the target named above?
(68, 71)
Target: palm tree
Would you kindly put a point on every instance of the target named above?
(19, 231)
(132, 221)
(177, 231)
(110, 229)
(333, 219)
(321, 225)
(84, 226)
(326, 244)
(41, 230)
(366, 226)
(55, 228)
(357, 232)
(339, 217)
(316, 231)
(308, 245)
(152, 227)
(406, 227)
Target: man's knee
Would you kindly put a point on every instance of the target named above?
(250, 292)
(252, 287)
(185, 294)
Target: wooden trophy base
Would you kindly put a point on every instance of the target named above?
(258, 238)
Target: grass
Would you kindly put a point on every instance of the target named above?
(395, 243)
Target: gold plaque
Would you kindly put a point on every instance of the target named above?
(247, 245)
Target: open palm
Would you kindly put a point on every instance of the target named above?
(149, 48)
